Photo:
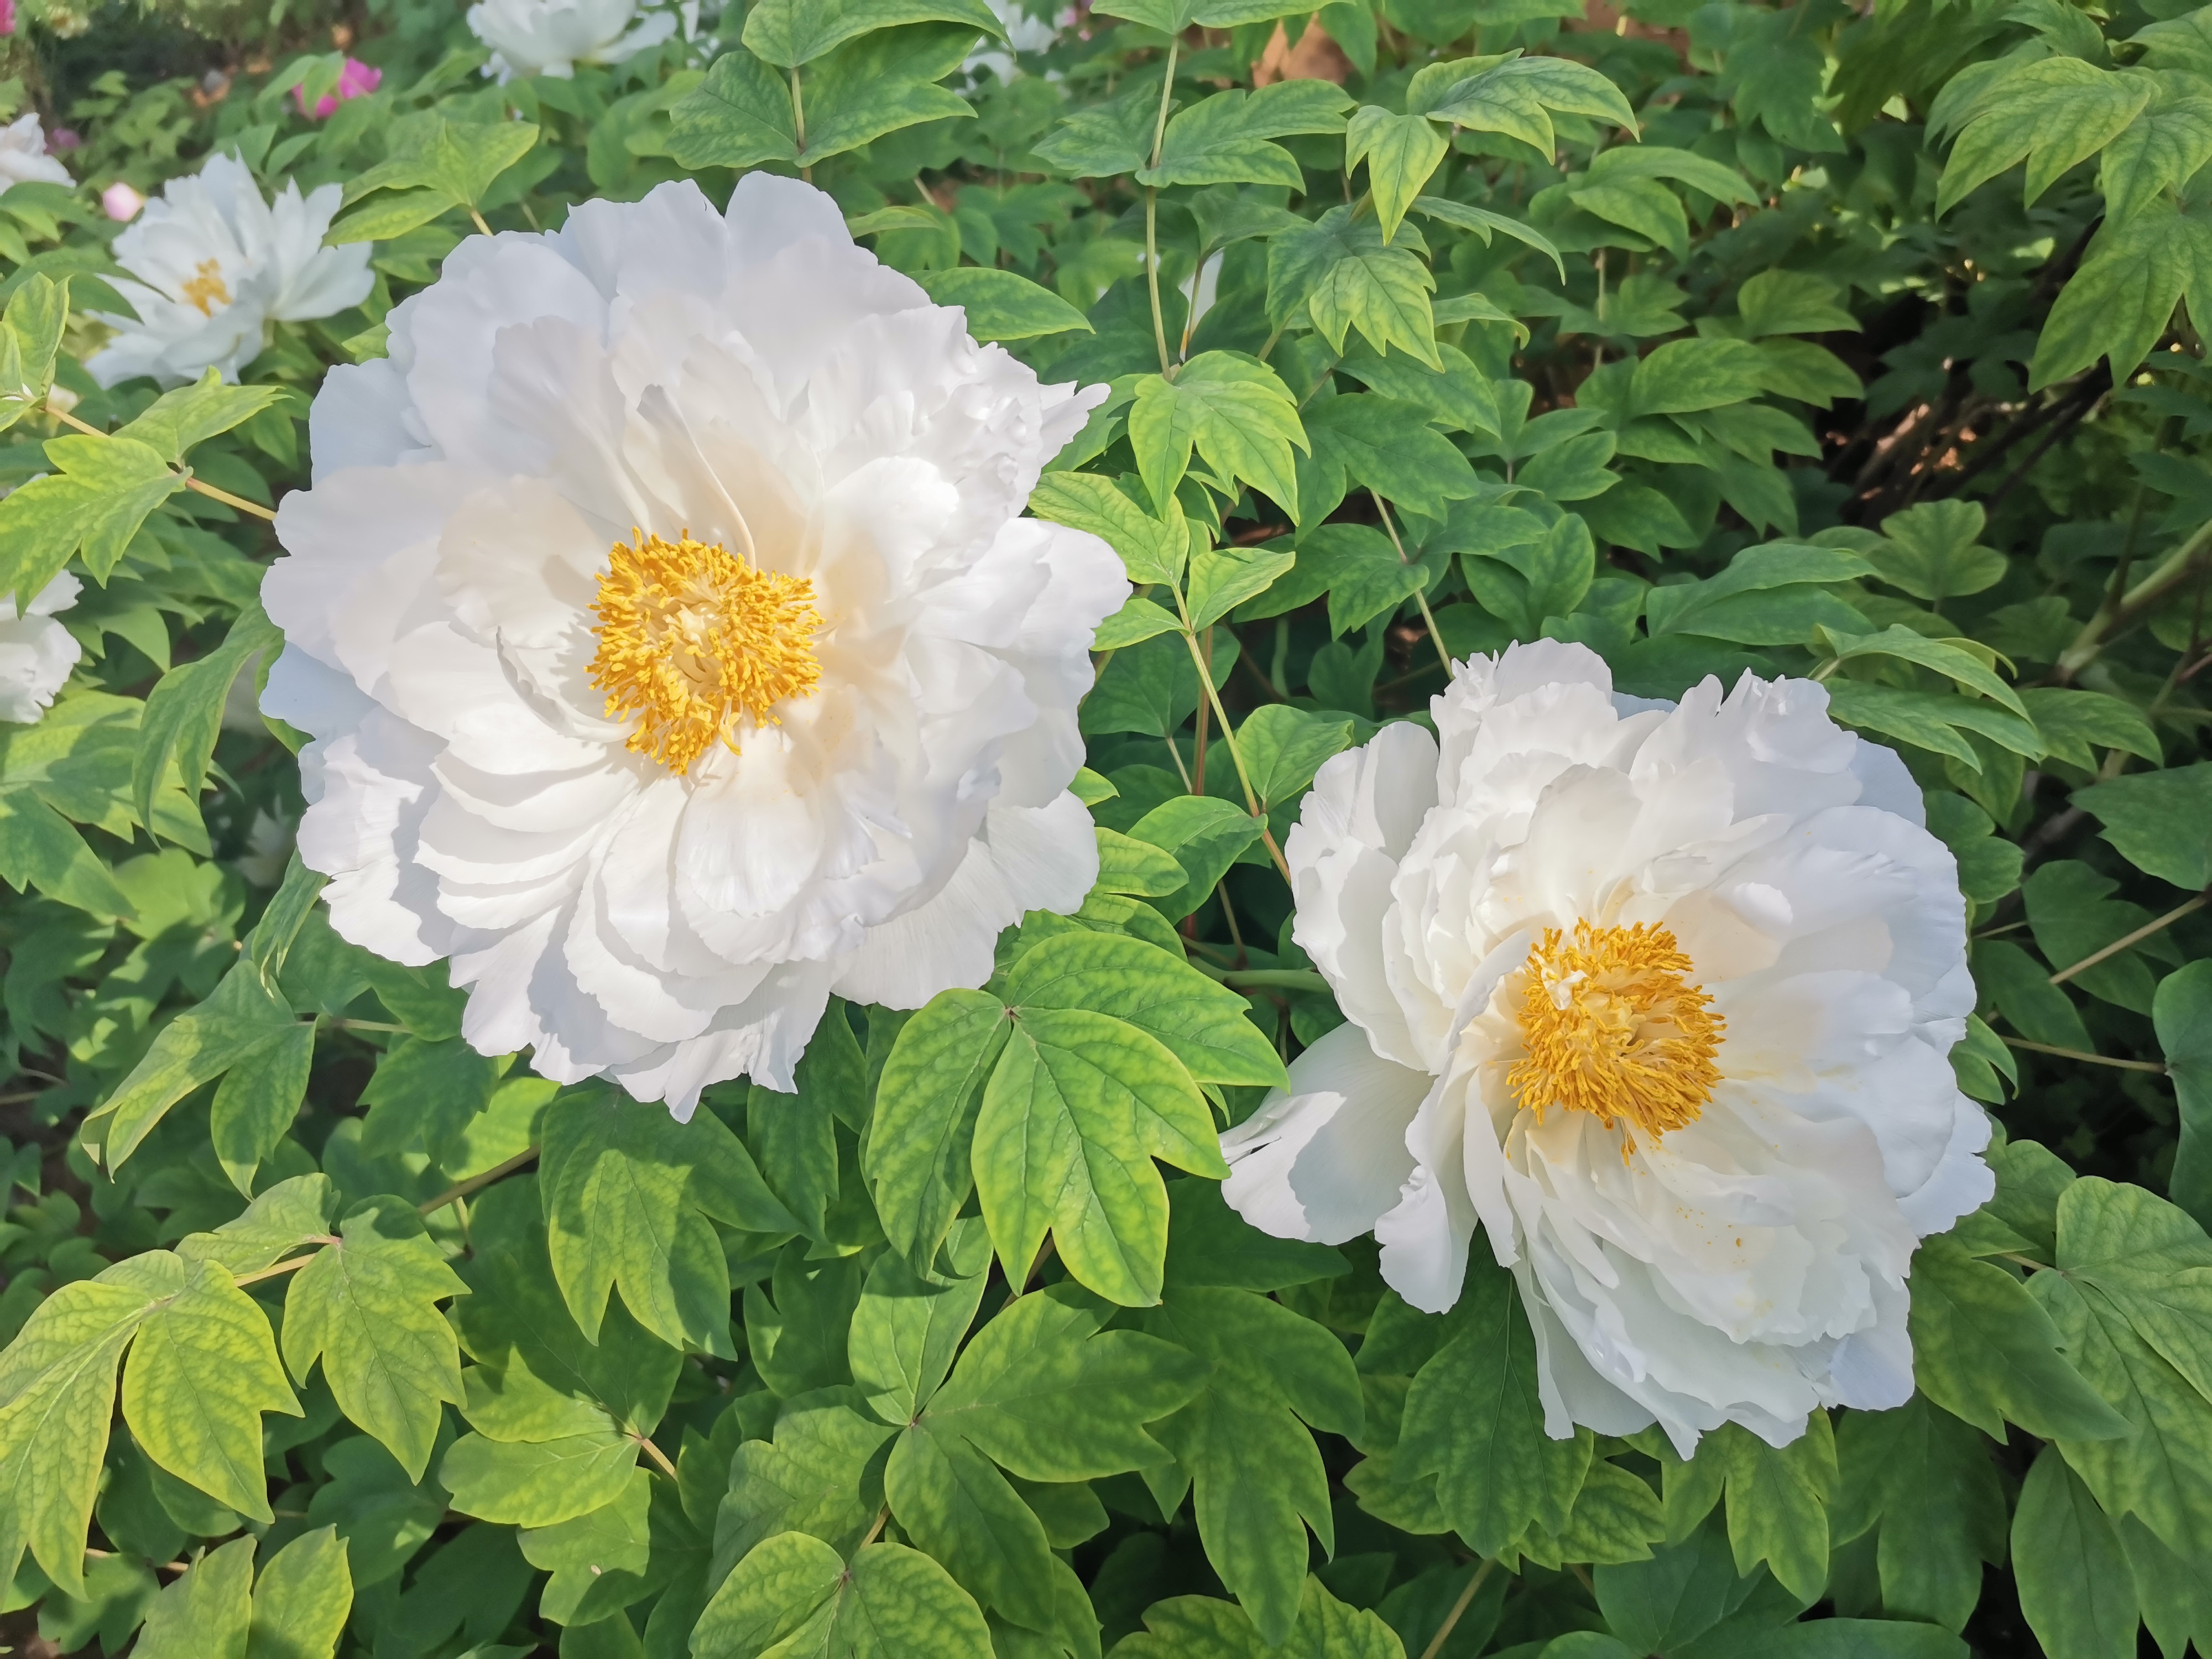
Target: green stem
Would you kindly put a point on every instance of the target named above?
(1459, 1607)
(798, 125)
(2187, 908)
(1420, 596)
(2120, 611)
(1236, 756)
(188, 481)
(498, 1171)
(2151, 1065)
(1152, 213)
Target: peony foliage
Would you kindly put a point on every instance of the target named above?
(883, 827)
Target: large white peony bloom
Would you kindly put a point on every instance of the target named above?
(216, 265)
(36, 652)
(674, 653)
(23, 157)
(551, 37)
(1663, 997)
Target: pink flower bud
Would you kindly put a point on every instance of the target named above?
(354, 79)
(7, 16)
(121, 203)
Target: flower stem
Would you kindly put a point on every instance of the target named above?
(659, 1458)
(1459, 1607)
(2136, 937)
(1152, 212)
(498, 1171)
(2120, 611)
(1420, 596)
(291, 1267)
(189, 482)
(1229, 737)
(798, 125)
(2150, 1066)
(482, 226)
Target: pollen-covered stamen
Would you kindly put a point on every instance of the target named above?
(693, 640)
(207, 289)
(1613, 1027)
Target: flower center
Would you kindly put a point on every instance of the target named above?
(206, 290)
(1613, 1027)
(693, 640)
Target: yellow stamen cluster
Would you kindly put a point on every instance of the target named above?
(1613, 1027)
(694, 640)
(206, 290)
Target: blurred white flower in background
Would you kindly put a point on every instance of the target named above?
(214, 263)
(1024, 33)
(23, 157)
(675, 651)
(36, 652)
(551, 37)
(1662, 998)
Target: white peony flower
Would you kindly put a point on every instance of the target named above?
(24, 158)
(551, 37)
(36, 652)
(674, 653)
(215, 266)
(1660, 996)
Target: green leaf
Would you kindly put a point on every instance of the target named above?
(283, 1218)
(1153, 549)
(1684, 375)
(184, 712)
(1127, 864)
(1244, 1442)
(906, 1328)
(208, 1612)
(30, 339)
(2076, 724)
(2182, 1012)
(1949, 658)
(1223, 578)
(2074, 1586)
(1206, 835)
(1203, 1627)
(301, 1599)
(258, 1099)
(1001, 305)
(738, 117)
(177, 422)
(367, 1306)
(1985, 1351)
(1789, 302)
(1340, 273)
(822, 1475)
(1777, 1502)
(628, 1191)
(41, 848)
(1473, 1419)
(202, 1371)
(1482, 221)
(785, 32)
(1075, 1112)
(57, 1395)
(796, 1597)
(1518, 95)
(1045, 1394)
(1927, 1480)
(1223, 139)
(1283, 748)
(1234, 410)
(1933, 552)
(198, 1045)
(1401, 152)
(951, 1501)
(539, 1458)
(100, 490)
(2119, 302)
(1385, 445)
(2161, 149)
(2161, 821)
(2051, 112)
(927, 1103)
(387, 218)
(1205, 1025)
(879, 83)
